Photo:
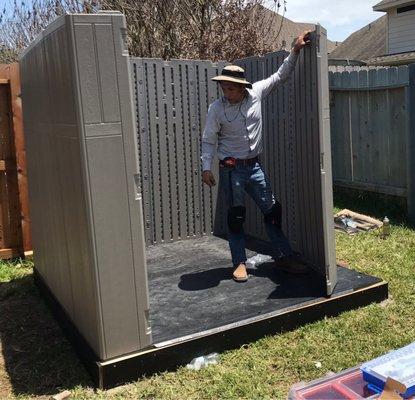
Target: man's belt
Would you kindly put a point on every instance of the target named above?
(233, 162)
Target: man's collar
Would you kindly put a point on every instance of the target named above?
(226, 102)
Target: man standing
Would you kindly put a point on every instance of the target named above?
(234, 126)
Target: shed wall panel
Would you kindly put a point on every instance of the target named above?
(83, 170)
(295, 127)
(172, 98)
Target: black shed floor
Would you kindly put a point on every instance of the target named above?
(191, 288)
(196, 308)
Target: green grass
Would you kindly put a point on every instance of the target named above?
(14, 269)
(263, 369)
(12, 274)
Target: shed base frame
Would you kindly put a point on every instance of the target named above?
(169, 355)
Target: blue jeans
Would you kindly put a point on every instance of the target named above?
(251, 179)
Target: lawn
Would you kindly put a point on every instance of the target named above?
(36, 361)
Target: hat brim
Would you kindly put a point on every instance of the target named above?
(225, 78)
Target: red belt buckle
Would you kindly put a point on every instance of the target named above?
(229, 162)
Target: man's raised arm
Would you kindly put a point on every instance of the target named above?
(264, 87)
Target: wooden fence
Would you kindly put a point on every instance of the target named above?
(15, 236)
(373, 130)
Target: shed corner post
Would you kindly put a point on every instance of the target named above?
(325, 160)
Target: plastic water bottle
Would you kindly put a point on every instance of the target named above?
(257, 260)
(351, 223)
(386, 230)
(203, 361)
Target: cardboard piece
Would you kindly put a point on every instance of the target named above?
(362, 222)
(360, 218)
(392, 390)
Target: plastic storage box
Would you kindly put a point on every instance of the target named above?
(398, 364)
(346, 385)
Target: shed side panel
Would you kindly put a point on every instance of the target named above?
(89, 240)
(111, 170)
(60, 236)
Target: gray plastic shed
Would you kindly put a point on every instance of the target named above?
(128, 244)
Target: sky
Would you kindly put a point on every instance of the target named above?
(340, 18)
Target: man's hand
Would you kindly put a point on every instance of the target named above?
(208, 178)
(301, 41)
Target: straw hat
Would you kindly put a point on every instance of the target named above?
(233, 73)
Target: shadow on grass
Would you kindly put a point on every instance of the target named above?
(373, 204)
(37, 358)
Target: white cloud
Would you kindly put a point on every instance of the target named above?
(340, 18)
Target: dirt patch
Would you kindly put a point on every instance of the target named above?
(35, 359)
(5, 386)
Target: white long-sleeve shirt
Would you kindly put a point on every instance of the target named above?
(236, 129)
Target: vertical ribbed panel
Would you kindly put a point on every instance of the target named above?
(296, 141)
(172, 99)
(171, 102)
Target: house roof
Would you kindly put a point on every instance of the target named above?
(393, 59)
(289, 31)
(387, 4)
(366, 43)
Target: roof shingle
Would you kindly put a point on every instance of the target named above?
(393, 59)
(368, 42)
(280, 37)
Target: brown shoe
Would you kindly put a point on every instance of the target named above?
(240, 274)
(291, 265)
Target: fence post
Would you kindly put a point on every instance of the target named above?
(16, 165)
(11, 239)
(20, 149)
(410, 101)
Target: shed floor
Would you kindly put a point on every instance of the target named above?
(191, 288)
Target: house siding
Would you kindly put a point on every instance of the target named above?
(401, 27)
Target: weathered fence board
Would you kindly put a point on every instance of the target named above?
(15, 235)
(372, 129)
